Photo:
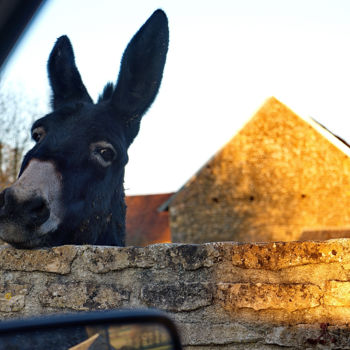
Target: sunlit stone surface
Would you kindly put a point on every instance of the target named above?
(221, 295)
(277, 177)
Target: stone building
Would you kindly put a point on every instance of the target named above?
(279, 176)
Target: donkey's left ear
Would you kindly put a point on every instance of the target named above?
(141, 71)
(64, 76)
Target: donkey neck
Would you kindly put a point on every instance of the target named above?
(113, 231)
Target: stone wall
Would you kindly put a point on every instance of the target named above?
(221, 295)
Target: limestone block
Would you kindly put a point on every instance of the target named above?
(190, 256)
(337, 293)
(250, 336)
(308, 336)
(259, 296)
(248, 346)
(223, 333)
(82, 296)
(279, 255)
(105, 259)
(12, 297)
(277, 177)
(177, 297)
(57, 260)
(315, 274)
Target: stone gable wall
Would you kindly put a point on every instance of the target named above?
(278, 176)
(221, 295)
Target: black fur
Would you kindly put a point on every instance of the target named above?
(93, 196)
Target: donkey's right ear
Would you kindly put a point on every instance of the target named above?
(64, 76)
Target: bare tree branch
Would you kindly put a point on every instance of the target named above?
(17, 113)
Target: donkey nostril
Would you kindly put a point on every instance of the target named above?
(7, 202)
(38, 211)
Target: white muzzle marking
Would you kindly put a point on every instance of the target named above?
(41, 179)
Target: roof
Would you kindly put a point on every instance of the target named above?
(145, 223)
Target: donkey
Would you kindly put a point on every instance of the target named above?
(70, 185)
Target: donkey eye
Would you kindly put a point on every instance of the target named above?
(38, 134)
(103, 152)
(107, 154)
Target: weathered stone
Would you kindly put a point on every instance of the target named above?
(12, 296)
(281, 255)
(259, 296)
(303, 336)
(222, 333)
(222, 295)
(250, 336)
(56, 260)
(177, 297)
(235, 346)
(315, 274)
(105, 259)
(337, 293)
(82, 296)
(188, 256)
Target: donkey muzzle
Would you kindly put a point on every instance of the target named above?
(30, 213)
(31, 207)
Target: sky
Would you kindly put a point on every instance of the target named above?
(226, 57)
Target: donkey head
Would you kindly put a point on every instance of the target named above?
(70, 186)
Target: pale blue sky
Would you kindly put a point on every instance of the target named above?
(225, 58)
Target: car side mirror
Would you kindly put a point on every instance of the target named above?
(104, 330)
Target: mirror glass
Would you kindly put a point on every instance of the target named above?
(103, 337)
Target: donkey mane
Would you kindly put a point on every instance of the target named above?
(107, 92)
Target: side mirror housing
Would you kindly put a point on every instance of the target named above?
(127, 330)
